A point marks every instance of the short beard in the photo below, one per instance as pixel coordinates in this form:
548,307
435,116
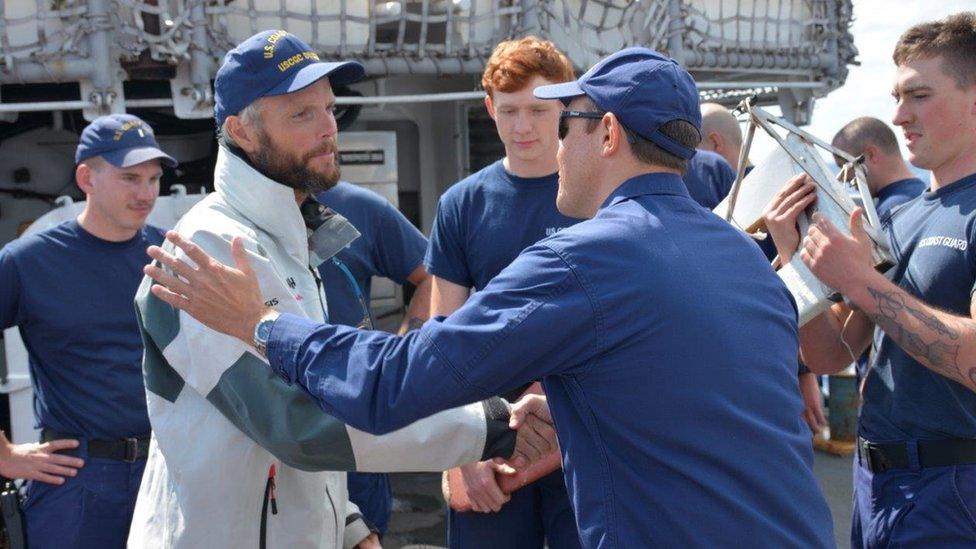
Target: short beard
292,171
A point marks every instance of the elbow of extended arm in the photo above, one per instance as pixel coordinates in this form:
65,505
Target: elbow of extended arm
379,428
315,455
825,361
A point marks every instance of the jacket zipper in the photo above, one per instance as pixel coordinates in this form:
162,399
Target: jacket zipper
319,292
335,514
271,497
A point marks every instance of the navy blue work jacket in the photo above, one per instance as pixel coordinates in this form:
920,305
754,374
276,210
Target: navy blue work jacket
667,347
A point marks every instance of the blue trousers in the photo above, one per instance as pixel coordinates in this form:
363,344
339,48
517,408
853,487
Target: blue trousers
537,514
92,510
372,493
932,508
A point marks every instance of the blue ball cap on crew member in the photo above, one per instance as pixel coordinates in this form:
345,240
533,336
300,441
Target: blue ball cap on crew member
273,62
643,88
121,139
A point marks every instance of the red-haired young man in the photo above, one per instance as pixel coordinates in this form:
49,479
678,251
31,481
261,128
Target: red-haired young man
483,222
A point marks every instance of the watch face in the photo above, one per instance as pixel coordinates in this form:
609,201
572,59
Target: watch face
263,330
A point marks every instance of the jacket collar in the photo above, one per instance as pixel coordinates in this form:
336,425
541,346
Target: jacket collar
648,183
267,204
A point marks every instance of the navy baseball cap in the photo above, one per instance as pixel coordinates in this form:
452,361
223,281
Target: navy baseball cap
273,62
643,88
121,139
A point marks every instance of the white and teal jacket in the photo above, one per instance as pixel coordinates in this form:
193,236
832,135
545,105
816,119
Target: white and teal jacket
221,418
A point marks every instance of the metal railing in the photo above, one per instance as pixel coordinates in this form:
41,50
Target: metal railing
731,46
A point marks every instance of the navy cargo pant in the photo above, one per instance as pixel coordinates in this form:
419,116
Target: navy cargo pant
932,508
537,515
90,510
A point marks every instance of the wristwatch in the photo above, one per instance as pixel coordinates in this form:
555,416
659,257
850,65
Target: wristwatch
262,331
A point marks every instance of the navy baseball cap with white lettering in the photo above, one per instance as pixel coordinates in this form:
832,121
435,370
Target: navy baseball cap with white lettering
273,62
121,139
643,88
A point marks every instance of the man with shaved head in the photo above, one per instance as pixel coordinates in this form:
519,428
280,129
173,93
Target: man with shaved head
721,134
888,177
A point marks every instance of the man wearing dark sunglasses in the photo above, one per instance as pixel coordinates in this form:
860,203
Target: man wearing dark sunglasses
708,177
642,321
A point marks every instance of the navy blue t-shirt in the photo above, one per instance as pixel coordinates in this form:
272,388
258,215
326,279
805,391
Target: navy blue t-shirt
932,239
485,221
896,194
70,293
390,246
709,178
889,197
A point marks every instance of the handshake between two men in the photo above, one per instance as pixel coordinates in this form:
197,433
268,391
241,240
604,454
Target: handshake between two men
229,300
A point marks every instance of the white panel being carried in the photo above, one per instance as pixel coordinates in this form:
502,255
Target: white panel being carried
797,153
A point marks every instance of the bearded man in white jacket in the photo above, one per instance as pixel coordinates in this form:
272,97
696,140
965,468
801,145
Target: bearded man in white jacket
237,455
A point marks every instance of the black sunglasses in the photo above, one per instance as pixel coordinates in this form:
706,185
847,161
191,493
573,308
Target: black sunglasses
564,117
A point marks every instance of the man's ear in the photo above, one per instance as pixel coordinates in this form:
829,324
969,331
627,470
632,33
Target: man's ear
490,106
871,153
83,178
244,135
614,134
717,142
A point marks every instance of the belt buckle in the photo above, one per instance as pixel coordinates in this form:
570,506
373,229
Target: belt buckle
131,449
873,457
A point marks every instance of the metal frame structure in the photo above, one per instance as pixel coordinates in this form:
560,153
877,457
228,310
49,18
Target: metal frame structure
833,200
784,51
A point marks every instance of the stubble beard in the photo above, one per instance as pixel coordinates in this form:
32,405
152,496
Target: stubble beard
292,171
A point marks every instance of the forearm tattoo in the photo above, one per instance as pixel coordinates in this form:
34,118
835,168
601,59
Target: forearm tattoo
936,345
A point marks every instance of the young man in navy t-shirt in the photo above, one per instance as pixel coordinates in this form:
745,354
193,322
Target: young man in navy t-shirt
483,223
391,247
69,290
915,480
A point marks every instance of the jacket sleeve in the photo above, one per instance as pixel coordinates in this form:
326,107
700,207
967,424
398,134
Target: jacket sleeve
182,354
534,319
357,527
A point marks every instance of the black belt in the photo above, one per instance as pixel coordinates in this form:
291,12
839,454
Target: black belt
129,450
882,456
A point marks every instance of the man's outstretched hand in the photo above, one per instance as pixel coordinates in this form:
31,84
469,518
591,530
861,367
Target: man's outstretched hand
225,299
535,435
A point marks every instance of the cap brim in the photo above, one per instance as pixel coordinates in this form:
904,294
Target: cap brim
126,158
339,73
559,91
